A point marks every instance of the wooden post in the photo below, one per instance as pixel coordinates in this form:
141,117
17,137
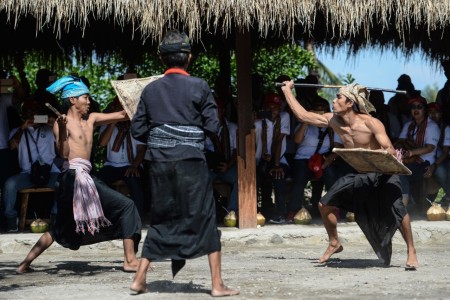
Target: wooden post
246,134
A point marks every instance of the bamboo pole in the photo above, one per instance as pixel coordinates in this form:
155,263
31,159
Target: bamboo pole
312,85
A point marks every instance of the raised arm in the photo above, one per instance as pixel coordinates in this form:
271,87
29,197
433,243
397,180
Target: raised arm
300,112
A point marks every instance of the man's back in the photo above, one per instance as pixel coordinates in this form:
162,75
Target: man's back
175,105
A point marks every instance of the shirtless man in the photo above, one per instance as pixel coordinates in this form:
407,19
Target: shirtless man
77,189
351,120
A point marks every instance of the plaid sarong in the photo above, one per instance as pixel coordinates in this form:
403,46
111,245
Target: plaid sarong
87,209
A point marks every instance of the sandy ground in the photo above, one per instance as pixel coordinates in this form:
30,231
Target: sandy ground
277,264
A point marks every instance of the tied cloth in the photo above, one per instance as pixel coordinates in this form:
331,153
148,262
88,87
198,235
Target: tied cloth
276,133
87,209
123,132
359,95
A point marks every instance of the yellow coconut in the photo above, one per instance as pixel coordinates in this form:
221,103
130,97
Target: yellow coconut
230,219
350,217
38,226
260,220
436,212
302,217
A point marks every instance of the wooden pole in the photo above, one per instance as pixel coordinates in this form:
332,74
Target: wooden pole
246,161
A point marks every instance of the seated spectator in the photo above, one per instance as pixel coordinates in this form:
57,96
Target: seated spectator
34,141
441,167
418,139
311,140
270,132
124,157
222,155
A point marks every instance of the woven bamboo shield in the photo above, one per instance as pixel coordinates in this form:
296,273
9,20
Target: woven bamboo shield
372,161
129,92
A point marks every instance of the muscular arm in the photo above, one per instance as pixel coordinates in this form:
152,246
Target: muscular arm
300,112
107,118
380,135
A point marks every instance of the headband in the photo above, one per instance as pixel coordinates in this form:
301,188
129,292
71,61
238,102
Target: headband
358,94
69,86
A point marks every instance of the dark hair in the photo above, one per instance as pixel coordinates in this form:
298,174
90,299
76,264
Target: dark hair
175,49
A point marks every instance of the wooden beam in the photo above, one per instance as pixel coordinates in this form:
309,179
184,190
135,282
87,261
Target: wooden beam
246,134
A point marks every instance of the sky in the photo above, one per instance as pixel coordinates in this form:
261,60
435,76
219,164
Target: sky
382,69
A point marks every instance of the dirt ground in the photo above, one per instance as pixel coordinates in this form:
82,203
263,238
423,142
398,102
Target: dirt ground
278,264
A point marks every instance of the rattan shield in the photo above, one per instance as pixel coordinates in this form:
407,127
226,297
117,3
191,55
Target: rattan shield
372,161
129,92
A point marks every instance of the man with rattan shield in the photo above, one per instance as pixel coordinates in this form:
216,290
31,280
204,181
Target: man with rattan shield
172,117
375,198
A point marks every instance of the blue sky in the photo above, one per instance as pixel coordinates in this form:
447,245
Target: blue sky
374,68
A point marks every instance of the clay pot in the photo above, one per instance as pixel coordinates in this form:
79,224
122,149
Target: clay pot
436,212
230,219
260,220
302,217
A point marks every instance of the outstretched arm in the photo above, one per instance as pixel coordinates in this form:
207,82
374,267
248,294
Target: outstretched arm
107,118
300,112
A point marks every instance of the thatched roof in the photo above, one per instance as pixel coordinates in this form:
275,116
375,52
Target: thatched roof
131,25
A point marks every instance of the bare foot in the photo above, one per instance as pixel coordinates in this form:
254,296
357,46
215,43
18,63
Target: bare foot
330,251
130,266
139,288
23,268
223,291
411,262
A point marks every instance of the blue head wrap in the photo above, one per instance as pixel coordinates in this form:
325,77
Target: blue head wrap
70,86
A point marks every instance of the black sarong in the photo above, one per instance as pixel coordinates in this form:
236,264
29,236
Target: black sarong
117,208
183,216
376,200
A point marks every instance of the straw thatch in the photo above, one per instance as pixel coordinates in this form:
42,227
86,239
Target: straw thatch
408,24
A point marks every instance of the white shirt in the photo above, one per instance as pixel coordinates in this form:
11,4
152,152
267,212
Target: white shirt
45,142
309,144
120,158
284,128
432,134
232,129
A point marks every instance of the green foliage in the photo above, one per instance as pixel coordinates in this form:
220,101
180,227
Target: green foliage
347,78
206,66
290,60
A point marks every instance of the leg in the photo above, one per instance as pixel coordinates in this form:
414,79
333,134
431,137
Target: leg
330,223
130,263
45,241
218,288
12,185
405,229
139,284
